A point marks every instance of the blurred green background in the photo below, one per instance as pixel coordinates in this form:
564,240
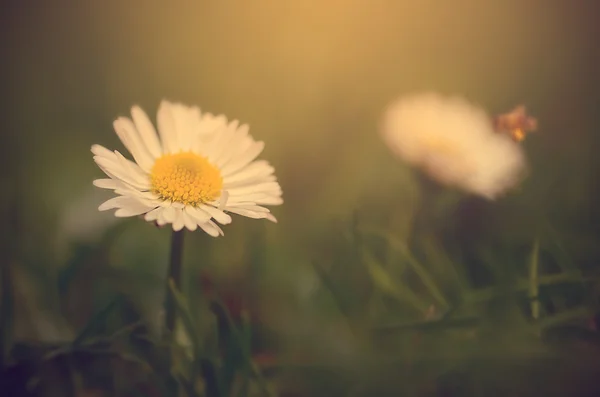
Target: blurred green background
311,78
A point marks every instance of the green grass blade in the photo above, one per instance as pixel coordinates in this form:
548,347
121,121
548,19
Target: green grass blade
417,267
240,341
384,282
182,308
534,280
97,319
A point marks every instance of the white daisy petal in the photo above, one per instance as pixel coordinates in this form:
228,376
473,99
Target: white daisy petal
148,198
123,202
239,143
147,131
223,200
267,187
106,183
211,228
210,123
132,169
244,159
189,222
112,203
255,208
178,223
99,150
217,214
177,205
270,200
271,217
153,215
206,131
258,180
247,213
240,204
197,214
169,214
186,120
166,128
122,170
254,171
128,134
258,198
132,211
180,124
221,141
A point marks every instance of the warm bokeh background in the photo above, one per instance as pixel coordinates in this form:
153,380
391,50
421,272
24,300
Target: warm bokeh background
311,78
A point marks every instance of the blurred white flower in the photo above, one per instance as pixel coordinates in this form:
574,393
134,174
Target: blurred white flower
454,142
201,169
78,220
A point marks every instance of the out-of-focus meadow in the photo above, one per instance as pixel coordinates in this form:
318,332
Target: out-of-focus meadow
338,310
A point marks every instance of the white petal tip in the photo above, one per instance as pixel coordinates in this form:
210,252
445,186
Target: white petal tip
271,218
97,149
123,213
117,123
105,183
165,103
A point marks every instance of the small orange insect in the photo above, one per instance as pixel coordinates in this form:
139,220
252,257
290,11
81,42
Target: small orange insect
516,123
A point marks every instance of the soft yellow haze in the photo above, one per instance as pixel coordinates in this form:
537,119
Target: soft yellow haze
310,77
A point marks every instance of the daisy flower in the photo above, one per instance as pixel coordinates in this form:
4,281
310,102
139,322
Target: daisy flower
195,172
454,142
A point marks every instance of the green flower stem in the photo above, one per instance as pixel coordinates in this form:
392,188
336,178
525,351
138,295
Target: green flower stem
173,280
173,273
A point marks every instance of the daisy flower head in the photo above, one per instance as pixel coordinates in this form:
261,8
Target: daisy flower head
454,142
194,173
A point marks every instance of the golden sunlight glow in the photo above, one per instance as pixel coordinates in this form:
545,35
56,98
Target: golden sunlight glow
186,178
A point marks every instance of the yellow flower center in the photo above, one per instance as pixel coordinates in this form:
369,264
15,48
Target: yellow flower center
186,178
518,134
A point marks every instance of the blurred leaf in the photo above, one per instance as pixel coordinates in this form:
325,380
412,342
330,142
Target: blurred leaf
183,309
6,312
333,290
560,251
97,319
97,351
212,386
534,280
430,325
233,361
80,258
84,254
244,388
418,268
560,335
480,295
448,270
240,341
188,387
384,282
566,317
